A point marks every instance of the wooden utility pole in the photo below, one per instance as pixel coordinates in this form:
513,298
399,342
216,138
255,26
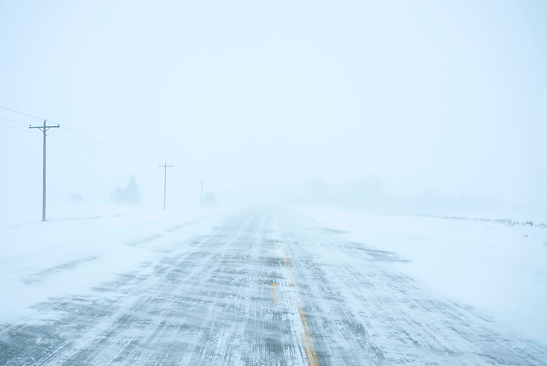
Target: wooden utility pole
165,181
201,194
44,129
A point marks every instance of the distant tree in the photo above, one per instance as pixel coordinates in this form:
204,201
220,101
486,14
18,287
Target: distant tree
210,200
76,198
127,196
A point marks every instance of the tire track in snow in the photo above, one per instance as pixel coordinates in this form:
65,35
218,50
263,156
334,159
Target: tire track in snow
307,342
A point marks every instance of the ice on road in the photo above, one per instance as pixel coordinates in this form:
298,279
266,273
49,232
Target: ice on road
265,287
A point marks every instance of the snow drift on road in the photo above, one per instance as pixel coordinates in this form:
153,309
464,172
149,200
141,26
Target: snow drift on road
498,267
42,260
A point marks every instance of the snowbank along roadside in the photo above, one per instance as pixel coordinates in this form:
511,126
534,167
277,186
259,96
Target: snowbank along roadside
499,268
42,260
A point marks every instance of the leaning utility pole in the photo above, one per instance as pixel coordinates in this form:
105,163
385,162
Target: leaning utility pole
201,195
225,198
44,129
165,181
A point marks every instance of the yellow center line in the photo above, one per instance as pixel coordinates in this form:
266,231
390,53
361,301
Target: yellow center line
274,292
307,342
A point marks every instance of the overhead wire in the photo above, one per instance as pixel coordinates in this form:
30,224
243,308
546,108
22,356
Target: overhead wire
20,129
14,120
90,152
26,114
87,147
74,132
15,128
89,138
73,144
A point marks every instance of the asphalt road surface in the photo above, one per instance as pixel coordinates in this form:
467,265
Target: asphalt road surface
267,287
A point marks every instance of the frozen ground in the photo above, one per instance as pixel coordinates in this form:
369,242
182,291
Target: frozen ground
497,265
252,287
60,257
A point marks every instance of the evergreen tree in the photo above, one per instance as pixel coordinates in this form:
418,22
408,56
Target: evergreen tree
129,195
210,200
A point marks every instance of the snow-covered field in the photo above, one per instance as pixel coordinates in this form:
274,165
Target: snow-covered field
40,260
271,286
497,267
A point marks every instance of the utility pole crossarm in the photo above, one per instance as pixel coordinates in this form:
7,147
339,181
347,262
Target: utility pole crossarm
44,130
42,127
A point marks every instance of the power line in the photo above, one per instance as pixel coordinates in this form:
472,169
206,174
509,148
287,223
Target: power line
99,151
73,144
100,143
92,153
77,133
13,120
26,114
15,128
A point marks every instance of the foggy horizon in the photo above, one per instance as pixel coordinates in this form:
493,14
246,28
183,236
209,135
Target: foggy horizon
386,108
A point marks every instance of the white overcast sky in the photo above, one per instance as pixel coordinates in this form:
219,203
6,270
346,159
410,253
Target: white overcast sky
442,96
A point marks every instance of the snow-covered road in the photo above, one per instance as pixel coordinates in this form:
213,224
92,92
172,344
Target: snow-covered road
264,287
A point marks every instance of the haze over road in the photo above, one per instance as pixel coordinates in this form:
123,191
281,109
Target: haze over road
266,287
